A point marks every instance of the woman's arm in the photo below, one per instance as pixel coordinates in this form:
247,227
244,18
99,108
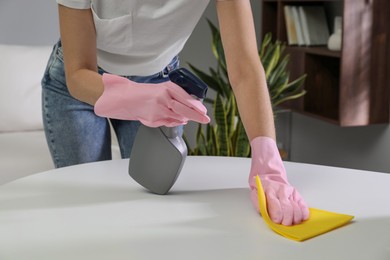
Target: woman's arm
169,106
246,73
78,39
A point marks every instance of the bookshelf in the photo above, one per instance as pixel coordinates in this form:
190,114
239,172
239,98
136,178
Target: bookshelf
348,87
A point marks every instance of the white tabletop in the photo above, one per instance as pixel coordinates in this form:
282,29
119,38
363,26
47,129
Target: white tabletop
96,211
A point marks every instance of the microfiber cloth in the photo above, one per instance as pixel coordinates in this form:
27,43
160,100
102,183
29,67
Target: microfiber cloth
319,222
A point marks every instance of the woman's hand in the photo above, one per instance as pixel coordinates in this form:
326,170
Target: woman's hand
284,204
154,105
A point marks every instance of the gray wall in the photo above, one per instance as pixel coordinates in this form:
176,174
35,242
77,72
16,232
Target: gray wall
366,148
28,22
312,141
198,49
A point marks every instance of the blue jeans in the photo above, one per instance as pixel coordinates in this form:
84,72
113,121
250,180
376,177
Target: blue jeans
74,133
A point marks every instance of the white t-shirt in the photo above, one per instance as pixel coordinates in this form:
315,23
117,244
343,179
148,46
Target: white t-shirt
140,37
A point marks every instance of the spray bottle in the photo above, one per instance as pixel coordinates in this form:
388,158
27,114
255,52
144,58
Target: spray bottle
158,154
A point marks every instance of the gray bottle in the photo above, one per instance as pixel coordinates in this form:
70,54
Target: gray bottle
158,154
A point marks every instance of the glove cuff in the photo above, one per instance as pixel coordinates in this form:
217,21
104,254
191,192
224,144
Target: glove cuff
266,160
264,146
109,104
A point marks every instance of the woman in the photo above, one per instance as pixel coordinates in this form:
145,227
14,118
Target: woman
112,61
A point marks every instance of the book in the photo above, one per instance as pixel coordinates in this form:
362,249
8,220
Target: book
290,26
314,25
305,29
298,26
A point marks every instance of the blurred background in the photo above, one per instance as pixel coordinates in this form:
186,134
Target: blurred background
307,139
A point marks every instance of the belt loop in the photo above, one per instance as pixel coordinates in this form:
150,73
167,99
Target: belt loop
165,72
171,66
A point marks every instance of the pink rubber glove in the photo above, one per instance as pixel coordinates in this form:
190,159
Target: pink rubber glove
154,105
284,204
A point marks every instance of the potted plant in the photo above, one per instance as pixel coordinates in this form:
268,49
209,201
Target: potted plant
227,136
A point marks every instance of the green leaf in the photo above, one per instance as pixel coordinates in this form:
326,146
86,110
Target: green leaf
215,139
242,142
201,141
266,59
282,100
212,141
208,101
217,47
279,70
223,87
266,41
292,88
273,60
220,118
231,114
209,80
279,87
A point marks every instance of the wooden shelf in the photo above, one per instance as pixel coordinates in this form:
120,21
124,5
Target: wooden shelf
305,1
348,87
321,51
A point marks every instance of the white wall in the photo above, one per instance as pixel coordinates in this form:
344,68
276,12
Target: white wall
312,141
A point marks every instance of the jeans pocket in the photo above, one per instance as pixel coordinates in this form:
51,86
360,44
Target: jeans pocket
54,76
51,58
56,70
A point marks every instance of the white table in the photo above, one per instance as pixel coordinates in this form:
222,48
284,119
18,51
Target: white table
96,211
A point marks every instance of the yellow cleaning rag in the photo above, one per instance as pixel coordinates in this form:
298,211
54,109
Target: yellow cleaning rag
319,222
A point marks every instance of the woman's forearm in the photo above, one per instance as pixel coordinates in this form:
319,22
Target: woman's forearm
78,39
246,73
254,104
85,85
